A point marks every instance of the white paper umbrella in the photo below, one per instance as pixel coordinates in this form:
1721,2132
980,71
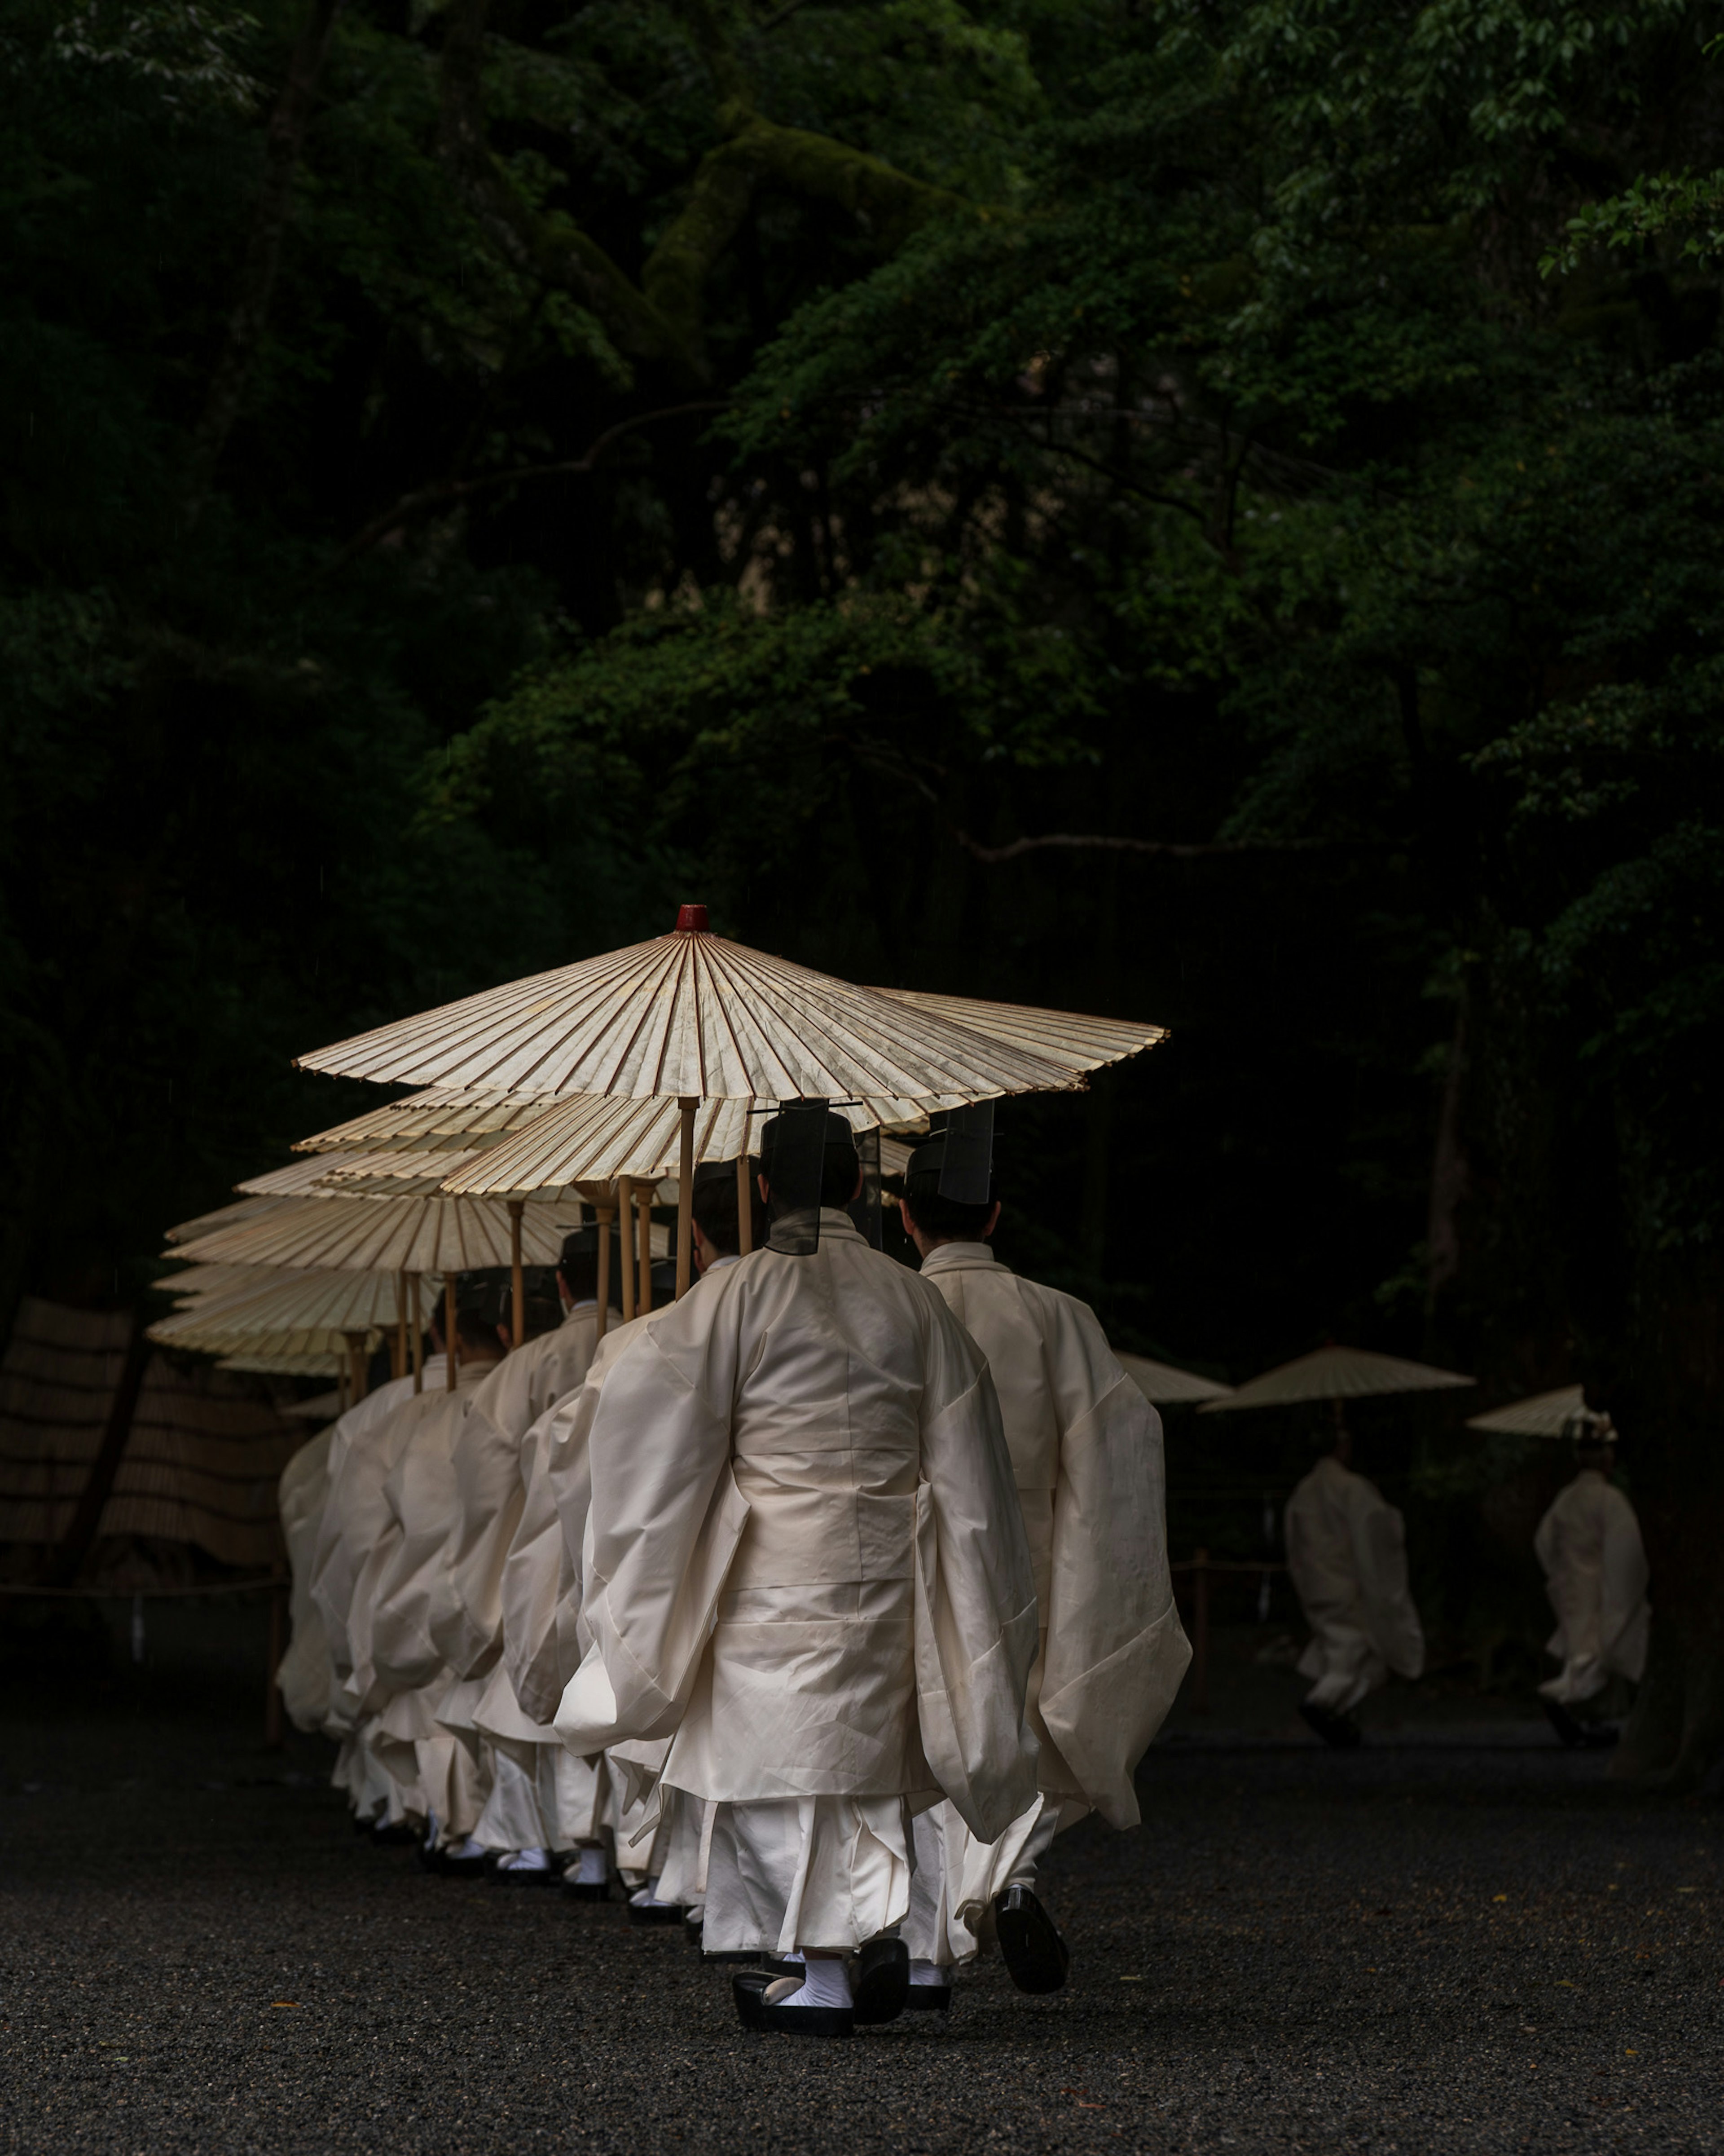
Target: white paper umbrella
281,1300
1075,1042
1543,1414
1335,1374
439,1118
224,1216
1163,1385
262,1363
415,1173
385,1235
594,1139
695,1016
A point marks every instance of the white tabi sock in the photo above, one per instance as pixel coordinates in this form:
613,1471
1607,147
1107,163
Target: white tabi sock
592,1868
825,1983
929,1972
648,1896
526,1860
470,1847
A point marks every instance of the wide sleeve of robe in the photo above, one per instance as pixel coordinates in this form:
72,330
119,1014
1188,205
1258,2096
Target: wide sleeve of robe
305,1675
977,1634
1116,1650
1379,1538
537,1576
1626,1617
414,1593
666,1517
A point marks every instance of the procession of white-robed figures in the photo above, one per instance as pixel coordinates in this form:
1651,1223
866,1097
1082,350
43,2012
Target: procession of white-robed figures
805,1609
810,1606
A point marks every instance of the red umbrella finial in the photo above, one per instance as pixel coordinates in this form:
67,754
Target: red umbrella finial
692,917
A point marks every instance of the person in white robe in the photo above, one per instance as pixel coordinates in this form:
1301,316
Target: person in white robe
805,1565
303,1677
335,1559
358,1540
1086,1458
399,1679
1594,1562
1347,1557
540,1604
465,1622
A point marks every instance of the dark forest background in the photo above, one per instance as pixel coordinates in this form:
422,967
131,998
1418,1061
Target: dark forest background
1149,507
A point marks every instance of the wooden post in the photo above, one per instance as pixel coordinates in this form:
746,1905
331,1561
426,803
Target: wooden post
274,1736
604,1215
625,1201
517,1271
1200,1629
745,1197
685,1199
398,1362
449,1330
644,1237
418,1338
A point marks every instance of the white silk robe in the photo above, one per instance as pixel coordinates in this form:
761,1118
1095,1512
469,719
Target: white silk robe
338,1552
805,1561
490,1487
304,1676
1346,1555
1595,1574
405,1579
1086,1459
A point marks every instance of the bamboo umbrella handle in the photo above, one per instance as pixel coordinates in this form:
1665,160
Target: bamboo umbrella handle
625,1200
745,1197
419,1337
685,1199
517,1272
605,1215
449,1330
643,1220
400,1369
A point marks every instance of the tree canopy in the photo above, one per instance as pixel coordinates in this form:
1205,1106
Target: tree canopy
1207,510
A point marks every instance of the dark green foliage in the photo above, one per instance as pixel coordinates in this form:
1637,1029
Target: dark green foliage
804,459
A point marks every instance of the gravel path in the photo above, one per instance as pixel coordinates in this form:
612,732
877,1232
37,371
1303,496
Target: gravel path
1443,1945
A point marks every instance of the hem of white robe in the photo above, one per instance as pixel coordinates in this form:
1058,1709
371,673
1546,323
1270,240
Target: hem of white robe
827,1872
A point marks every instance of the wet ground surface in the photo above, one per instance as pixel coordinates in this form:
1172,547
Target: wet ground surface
1458,1938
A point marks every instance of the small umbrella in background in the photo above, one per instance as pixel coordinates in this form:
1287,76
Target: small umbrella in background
1336,1374
1164,1384
1541,1414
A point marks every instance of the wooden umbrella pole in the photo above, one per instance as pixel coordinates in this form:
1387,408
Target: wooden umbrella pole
356,1364
400,1369
643,1222
517,1271
625,1255
449,1330
745,1201
605,1215
418,1338
685,1200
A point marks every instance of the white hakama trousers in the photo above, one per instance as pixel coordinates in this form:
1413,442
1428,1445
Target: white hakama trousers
825,1872
360,1772
957,1877
1344,1659
451,1767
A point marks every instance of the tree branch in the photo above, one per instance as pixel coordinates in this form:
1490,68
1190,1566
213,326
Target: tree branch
446,492
1096,842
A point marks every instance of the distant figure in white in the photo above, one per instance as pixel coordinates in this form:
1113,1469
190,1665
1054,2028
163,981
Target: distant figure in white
1347,1554
1595,1574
